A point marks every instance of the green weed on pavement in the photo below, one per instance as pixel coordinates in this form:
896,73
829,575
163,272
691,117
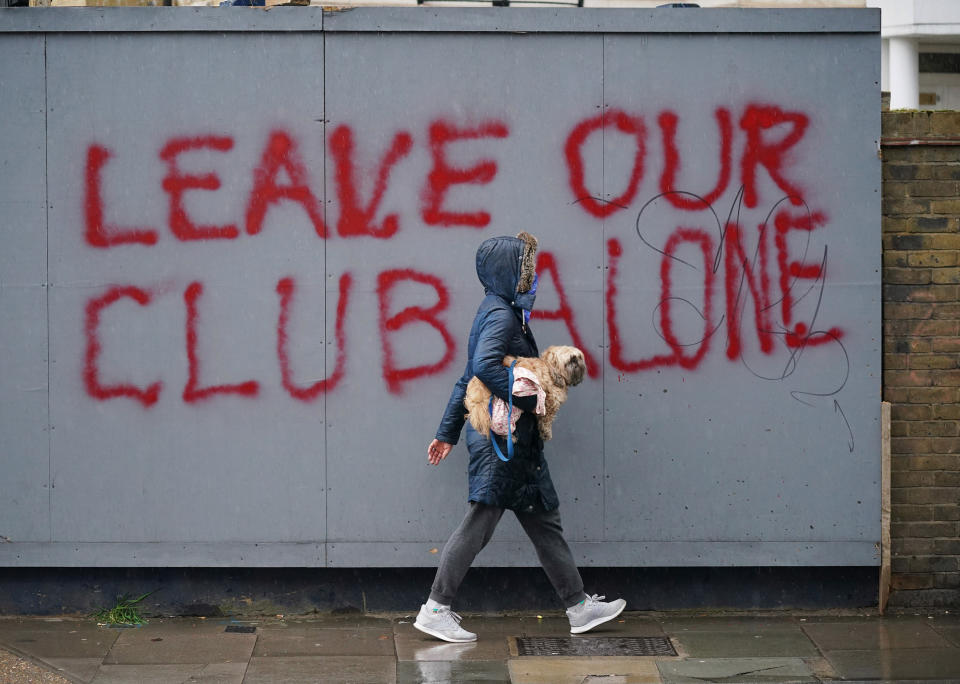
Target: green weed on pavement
125,611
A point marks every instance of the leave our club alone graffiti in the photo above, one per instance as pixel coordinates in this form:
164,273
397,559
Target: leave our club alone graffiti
769,136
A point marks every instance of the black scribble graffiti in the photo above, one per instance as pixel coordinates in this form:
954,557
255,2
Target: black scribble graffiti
801,341
716,262
837,409
688,194
598,199
656,326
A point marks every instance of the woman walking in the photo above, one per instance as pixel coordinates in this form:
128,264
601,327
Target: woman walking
506,269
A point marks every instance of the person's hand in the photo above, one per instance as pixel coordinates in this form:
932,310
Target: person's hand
437,451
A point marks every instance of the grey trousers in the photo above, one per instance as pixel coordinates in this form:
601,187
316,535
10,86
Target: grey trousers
475,531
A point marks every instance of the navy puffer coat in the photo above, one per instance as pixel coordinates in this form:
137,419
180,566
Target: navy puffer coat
505,267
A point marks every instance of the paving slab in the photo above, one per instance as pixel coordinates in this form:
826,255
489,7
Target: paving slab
411,644
348,621
747,644
844,616
947,626
738,670
951,634
146,674
221,673
821,668
62,639
435,650
174,644
81,669
874,635
306,640
609,670
180,625
322,669
737,623
897,664
452,672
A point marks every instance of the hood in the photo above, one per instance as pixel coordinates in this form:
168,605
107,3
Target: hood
506,267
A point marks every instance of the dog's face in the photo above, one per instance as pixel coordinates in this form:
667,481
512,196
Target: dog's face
568,363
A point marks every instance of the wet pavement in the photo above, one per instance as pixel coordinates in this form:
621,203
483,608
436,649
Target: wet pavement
730,648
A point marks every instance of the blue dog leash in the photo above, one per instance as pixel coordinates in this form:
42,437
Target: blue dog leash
509,419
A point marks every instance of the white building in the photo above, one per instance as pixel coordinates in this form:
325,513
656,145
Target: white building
921,52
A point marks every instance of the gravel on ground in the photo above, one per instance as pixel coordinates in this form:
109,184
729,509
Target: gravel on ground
17,670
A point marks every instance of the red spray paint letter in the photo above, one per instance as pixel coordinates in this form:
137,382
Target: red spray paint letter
736,263
547,264
614,252
800,335
354,219
770,155
98,233
677,238
671,165
177,183
285,288
676,355
391,323
91,372
442,176
281,153
626,124
193,392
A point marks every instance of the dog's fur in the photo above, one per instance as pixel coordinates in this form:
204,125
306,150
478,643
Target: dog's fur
557,368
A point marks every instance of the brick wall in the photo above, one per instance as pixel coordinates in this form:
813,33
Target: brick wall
921,362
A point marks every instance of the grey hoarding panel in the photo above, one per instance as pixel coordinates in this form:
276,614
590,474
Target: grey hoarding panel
265,396
24,448
396,99
195,464
24,488
433,19
775,427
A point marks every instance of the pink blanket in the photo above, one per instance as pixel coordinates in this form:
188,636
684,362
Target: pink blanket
525,384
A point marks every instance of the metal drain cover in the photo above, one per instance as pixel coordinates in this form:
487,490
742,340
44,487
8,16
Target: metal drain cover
595,646
242,629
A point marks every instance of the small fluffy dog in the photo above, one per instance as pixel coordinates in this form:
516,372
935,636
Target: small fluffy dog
557,368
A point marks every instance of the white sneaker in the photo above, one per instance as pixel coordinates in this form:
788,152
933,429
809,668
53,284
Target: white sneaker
444,624
592,611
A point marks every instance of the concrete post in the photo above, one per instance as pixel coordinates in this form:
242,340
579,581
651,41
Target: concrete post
904,74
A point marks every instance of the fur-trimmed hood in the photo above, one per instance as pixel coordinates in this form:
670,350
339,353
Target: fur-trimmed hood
506,267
